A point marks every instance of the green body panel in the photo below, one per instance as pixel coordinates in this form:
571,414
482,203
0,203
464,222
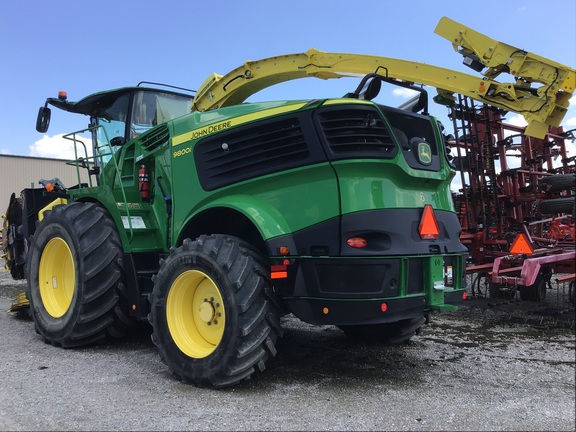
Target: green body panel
435,272
184,130
295,199
364,187
276,204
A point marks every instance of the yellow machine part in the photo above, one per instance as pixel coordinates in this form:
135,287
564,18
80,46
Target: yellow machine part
550,101
57,201
20,304
541,106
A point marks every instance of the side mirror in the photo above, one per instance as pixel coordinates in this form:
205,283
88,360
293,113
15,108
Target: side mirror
368,88
422,104
117,141
43,120
371,90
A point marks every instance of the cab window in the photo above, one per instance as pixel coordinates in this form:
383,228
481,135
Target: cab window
153,108
112,124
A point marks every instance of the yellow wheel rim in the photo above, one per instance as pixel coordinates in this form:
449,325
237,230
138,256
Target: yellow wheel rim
56,277
195,314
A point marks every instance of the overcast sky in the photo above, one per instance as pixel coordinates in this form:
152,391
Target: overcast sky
83,47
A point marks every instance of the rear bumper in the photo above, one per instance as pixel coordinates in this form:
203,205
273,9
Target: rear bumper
454,298
349,312
325,311
345,291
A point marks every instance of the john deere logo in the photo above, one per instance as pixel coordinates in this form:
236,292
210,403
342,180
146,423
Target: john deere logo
424,153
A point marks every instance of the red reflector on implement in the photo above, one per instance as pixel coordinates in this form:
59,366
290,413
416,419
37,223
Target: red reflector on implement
428,227
521,245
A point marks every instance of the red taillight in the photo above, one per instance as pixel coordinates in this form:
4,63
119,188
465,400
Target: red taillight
428,227
357,242
278,272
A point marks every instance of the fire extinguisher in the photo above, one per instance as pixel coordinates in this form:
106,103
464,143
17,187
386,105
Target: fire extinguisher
143,182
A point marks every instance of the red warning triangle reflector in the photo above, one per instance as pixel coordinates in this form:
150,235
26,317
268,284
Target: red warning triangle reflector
428,228
521,245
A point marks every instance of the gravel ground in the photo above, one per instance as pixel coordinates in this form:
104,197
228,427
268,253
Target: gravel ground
481,368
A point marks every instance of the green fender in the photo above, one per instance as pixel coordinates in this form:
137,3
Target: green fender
266,218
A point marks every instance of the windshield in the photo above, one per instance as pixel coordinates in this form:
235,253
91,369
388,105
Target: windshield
152,108
112,124
148,109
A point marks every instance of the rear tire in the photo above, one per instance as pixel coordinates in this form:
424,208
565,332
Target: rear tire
13,243
75,277
537,291
558,206
212,322
505,294
389,333
558,182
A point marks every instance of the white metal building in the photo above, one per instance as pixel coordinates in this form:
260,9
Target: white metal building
20,172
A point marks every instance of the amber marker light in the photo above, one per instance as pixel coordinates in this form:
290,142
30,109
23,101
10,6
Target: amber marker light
357,242
325,311
62,95
284,250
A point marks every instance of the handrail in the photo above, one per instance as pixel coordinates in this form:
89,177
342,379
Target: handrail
100,156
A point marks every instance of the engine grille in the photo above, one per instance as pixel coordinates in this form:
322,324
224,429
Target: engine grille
356,132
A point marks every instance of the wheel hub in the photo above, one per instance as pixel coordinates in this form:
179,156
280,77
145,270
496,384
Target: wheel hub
195,313
207,311
56,277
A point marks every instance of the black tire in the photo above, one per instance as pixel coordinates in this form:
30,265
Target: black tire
13,243
394,333
212,321
558,182
557,206
537,291
481,284
75,277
